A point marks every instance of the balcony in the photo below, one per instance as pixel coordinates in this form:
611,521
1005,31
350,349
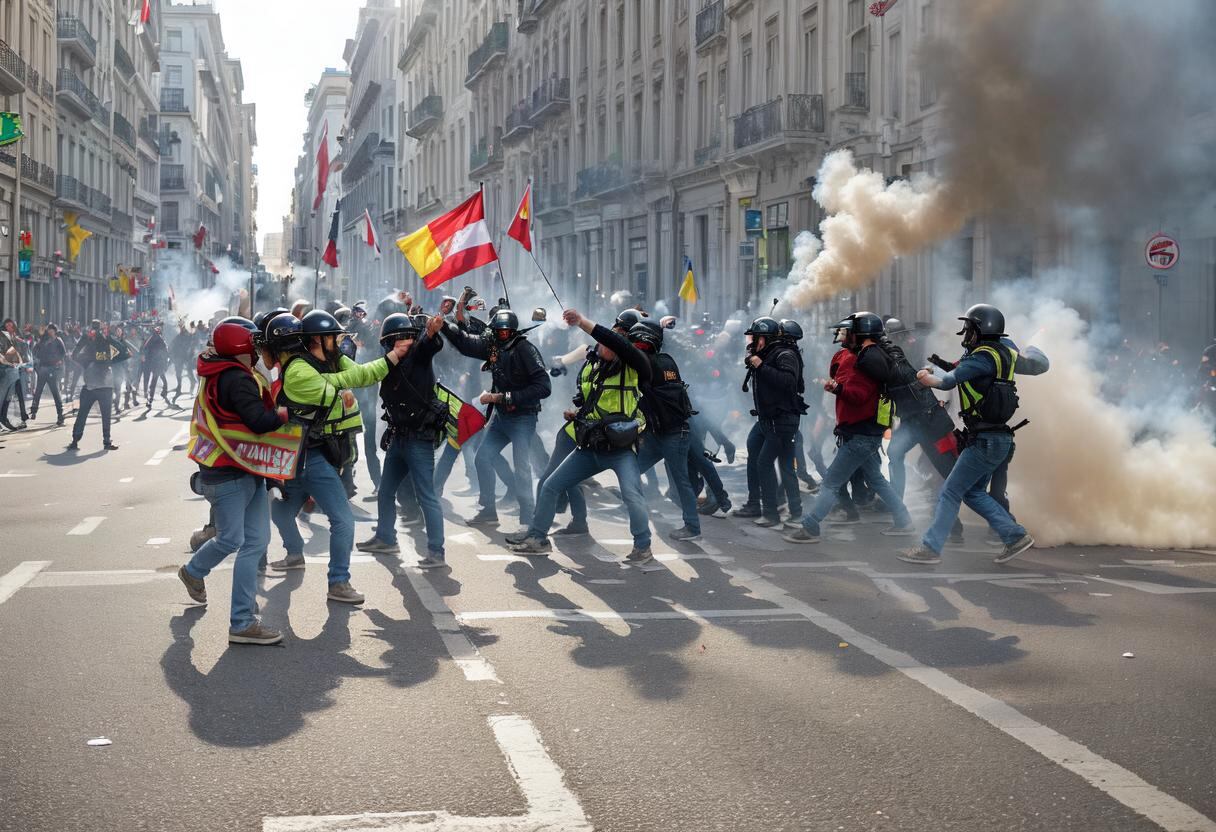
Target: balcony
8,160
528,21
75,94
124,131
173,100
856,92
122,61
148,132
366,98
425,117
551,98
709,153
553,200
423,23
609,177
12,71
73,194
74,37
29,168
360,160
172,178
486,156
46,175
33,79
711,25
779,124
539,7
491,53
428,200
120,221
519,126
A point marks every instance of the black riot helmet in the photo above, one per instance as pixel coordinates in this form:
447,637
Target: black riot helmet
504,319
895,326
283,333
244,323
343,316
627,320
981,321
765,326
790,330
867,325
262,318
318,322
397,325
647,334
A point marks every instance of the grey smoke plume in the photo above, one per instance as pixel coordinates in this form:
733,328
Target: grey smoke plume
1053,111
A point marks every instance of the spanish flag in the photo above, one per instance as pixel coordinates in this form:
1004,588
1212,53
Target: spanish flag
452,245
688,289
76,234
521,226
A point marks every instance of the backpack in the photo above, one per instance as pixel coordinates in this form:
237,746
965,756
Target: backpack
668,393
999,401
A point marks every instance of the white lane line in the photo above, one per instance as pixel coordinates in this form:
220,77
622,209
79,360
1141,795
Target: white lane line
13,475
1109,777
20,576
86,526
127,479
797,564
613,615
946,576
1156,589
459,647
181,436
157,541
911,601
158,457
552,807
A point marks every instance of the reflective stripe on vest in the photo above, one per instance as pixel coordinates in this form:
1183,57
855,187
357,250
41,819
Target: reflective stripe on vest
886,409
620,395
969,397
215,444
338,419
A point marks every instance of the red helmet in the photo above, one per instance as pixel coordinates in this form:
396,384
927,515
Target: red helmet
231,340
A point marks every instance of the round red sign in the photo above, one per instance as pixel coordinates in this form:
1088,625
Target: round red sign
1161,252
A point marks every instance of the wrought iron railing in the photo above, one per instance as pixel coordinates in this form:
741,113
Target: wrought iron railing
802,113
46,175
486,152
71,28
552,95
124,130
11,62
67,81
493,46
711,22
857,94
29,168
173,100
122,60
709,152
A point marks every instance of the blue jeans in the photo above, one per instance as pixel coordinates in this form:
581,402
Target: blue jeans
857,453
241,509
698,462
413,458
582,464
968,483
516,430
563,446
8,380
368,409
672,448
903,439
778,447
318,479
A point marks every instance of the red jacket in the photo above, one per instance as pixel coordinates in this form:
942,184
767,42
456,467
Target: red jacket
856,398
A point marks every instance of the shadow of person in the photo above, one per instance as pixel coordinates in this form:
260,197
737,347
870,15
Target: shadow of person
255,696
65,459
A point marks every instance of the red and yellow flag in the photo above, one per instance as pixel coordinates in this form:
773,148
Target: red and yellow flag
452,245
521,226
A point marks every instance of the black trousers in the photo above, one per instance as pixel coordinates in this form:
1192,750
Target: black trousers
49,377
102,396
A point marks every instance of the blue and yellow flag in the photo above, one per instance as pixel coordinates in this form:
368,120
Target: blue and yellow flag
688,289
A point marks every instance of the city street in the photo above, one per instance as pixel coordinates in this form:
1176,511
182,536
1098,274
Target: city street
742,683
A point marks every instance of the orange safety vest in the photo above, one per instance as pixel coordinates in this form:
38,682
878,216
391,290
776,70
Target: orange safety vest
218,439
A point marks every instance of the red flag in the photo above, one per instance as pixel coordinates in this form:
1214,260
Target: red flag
141,16
521,225
199,236
369,233
455,243
331,250
322,166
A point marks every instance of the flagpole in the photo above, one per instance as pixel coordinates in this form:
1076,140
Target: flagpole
546,277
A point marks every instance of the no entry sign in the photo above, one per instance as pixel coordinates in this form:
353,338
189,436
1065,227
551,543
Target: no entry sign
1161,252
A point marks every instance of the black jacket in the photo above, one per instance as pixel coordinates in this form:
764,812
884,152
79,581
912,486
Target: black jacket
665,397
515,367
409,386
777,382
50,352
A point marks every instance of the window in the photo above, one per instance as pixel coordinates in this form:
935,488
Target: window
702,111
603,37
173,40
745,71
620,127
620,34
772,60
638,266
778,215
173,76
657,5
169,219
637,126
928,84
895,80
656,115
637,27
810,51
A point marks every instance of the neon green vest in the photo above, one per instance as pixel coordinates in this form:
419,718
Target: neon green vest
969,397
620,395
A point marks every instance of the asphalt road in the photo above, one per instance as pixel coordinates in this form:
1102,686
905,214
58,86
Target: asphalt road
744,684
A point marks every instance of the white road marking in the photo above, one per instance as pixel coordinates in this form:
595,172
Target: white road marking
1156,589
158,457
613,615
503,558
127,479
552,807
87,526
911,601
459,647
608,581
952,577
20,576
1109,777
181,436
798,564
13,475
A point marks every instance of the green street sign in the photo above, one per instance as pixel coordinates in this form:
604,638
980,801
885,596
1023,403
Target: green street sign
10,128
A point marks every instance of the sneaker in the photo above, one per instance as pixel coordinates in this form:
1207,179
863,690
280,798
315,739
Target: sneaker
73,446
516,537
287,563
376,546
920,554
432,562
484,518
195,588
110,446
532,547
639,557
343,592
59,422
1014,549
708,508
767,522
899,531
686,534
573,529
373,497
201,536
746,510
255,633
410,519
792,523
729,447
800,535
722,512
844,519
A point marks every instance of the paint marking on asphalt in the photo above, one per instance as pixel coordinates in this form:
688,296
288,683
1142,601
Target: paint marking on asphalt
459,647
910,600
797,564
1156,589
613,615
551,804
158,457
946,576
127,479
1109,777
86,526
24,572
13,475
157,541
